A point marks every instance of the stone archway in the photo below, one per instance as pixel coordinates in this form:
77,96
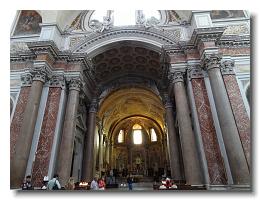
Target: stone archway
121,110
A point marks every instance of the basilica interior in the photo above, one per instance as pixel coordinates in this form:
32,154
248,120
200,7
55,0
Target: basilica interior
165,93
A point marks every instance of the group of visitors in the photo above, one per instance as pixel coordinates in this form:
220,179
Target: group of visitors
98,184
47,184
54,184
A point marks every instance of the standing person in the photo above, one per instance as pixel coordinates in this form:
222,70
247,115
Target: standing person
27,183
130,182
94,184
70,184
45,183
101,184
54,183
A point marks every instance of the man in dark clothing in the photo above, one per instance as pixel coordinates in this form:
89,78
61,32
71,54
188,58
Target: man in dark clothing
27,183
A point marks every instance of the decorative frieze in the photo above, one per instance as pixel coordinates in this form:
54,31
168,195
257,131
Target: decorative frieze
195,72
237,29
211,61
206,34
227,67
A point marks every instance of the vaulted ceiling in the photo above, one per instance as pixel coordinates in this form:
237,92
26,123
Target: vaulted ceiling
131,102
125,60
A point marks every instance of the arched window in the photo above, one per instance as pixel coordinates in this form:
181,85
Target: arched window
137,134
120,138
153,135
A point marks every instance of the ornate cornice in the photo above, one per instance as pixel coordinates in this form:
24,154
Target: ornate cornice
44,47
211,61
75,83
227,67
232,41
195,72
172,49
206,34
22,56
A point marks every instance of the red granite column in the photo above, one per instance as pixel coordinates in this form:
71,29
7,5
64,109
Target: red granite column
69,129
44,148
23,144
215,163
18,117
235,153
238,107
192,169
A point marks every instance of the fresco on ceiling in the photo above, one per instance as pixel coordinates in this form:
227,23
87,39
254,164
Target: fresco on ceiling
28,23
221,14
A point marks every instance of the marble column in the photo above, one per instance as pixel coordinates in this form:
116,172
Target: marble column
192,170
174,154
236,156
89,143
69,130
107,151
100,156
23,145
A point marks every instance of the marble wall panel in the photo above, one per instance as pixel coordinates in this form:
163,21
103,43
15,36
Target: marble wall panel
239,111
44,148
17,120
215,163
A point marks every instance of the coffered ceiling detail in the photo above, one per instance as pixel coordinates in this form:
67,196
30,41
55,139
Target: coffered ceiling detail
125,60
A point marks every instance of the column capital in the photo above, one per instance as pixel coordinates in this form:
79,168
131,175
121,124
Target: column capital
195,72
93,106
227,67
57,80
26,79
211,61
40,73
177,76
75,83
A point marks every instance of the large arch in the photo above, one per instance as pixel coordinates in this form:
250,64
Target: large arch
120,110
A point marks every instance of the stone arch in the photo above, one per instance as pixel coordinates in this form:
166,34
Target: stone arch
151,38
